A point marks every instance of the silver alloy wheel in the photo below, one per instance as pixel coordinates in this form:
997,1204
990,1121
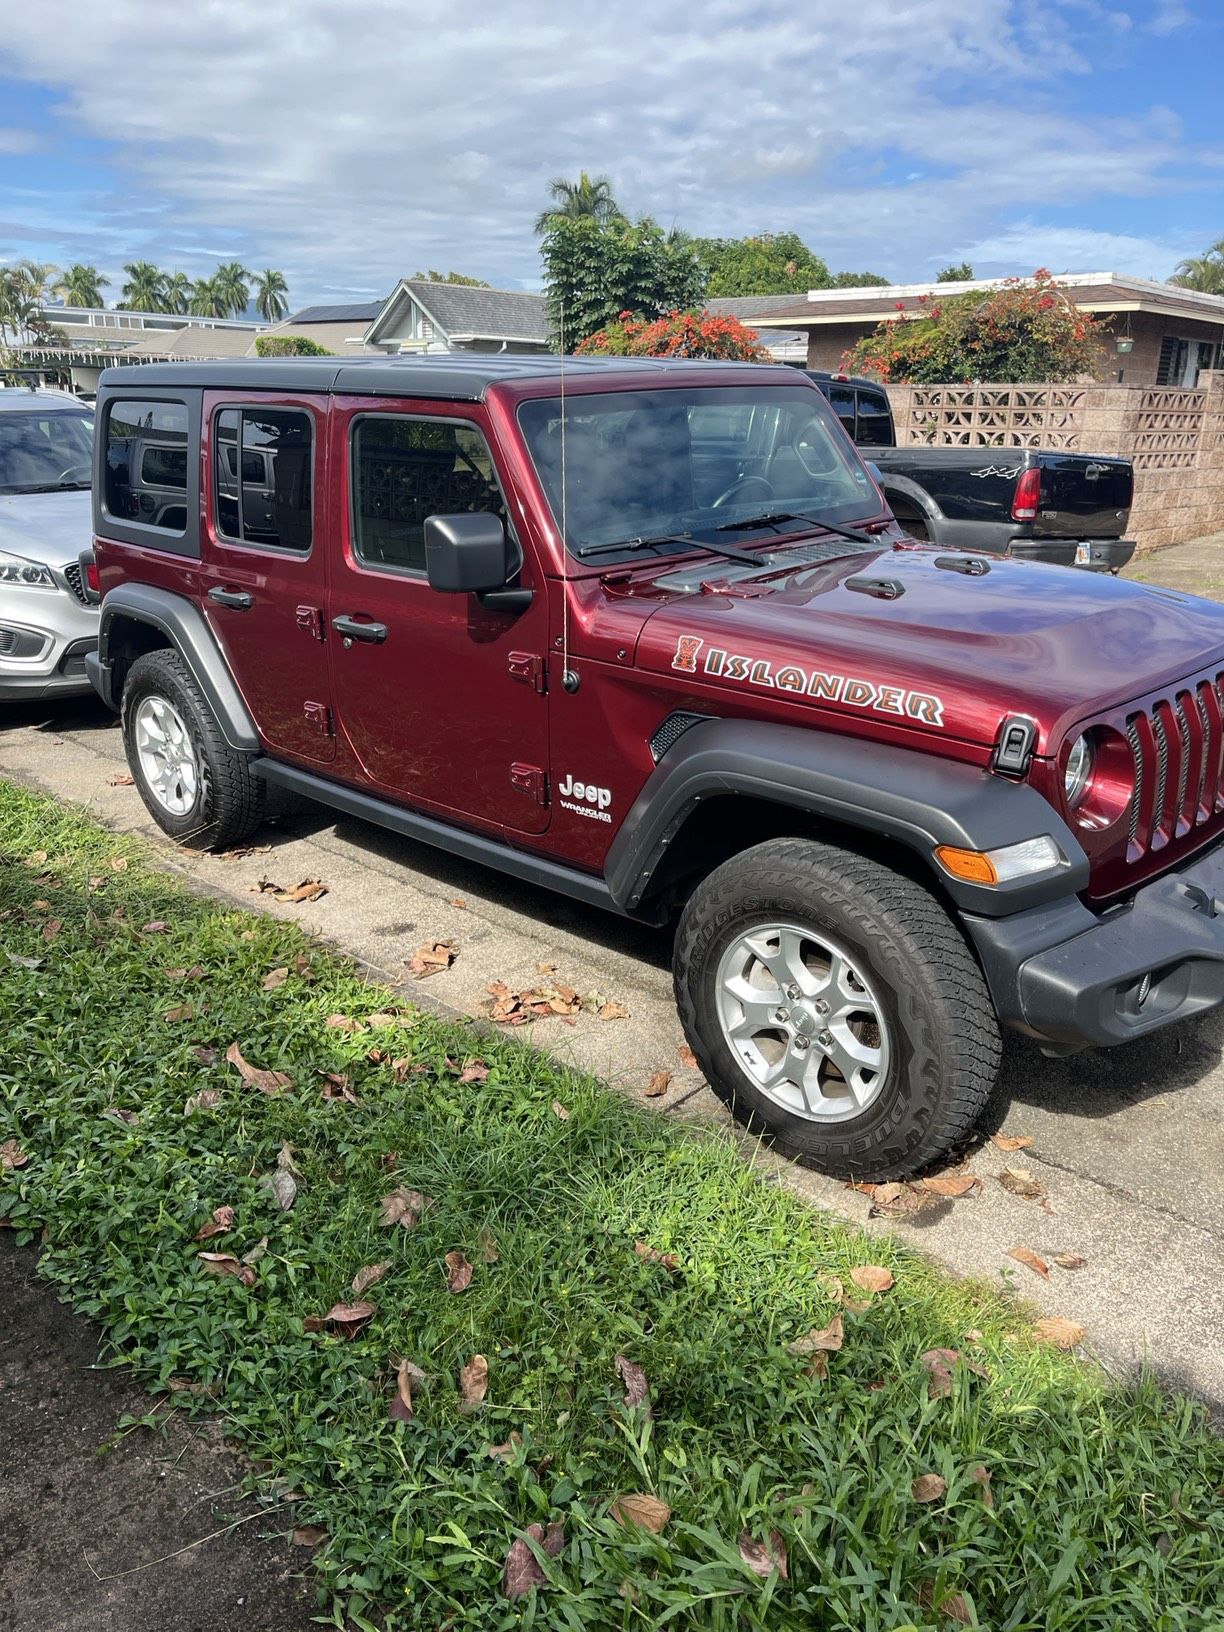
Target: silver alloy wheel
803,1021
167,757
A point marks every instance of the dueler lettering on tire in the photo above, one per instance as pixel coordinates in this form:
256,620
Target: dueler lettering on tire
834,1006
196,787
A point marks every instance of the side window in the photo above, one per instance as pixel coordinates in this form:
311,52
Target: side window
270,507
145,476
874,420
841,400
404,470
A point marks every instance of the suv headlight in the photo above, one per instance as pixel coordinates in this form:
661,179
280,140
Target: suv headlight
15,569
1078,774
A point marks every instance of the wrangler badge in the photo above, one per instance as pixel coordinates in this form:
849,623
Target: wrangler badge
815,683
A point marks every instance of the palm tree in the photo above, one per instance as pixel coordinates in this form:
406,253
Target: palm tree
176,293
145,289
40,278
270,292
81,286
232,280
1204,272
588,198
209,298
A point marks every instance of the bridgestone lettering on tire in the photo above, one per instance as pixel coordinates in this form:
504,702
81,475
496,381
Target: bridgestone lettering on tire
216,802
834,1006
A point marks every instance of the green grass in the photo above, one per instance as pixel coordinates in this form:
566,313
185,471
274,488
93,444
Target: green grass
1106,1509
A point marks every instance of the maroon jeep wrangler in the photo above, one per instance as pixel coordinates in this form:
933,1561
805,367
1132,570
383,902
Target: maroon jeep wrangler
646,634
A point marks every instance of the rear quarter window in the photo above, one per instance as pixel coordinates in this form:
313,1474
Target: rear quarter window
145,464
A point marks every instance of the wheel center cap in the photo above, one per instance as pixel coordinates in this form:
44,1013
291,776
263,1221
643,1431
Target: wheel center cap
803,1022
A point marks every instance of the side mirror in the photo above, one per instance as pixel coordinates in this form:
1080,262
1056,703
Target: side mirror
875,473
465,554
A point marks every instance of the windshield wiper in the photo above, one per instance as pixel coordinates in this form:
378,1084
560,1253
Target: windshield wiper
771,517
627,544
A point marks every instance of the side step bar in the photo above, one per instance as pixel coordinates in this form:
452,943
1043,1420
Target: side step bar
549,875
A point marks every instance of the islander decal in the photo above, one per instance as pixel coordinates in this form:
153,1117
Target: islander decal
832,688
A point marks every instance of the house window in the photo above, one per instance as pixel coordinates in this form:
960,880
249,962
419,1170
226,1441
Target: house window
1182,361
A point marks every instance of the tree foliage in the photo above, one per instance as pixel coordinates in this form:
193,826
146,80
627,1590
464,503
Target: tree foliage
595,271
289,345
858,280
23,288
81,285
676,334
270,292
1204,272
590,198
449,277
958,272
768,264
1027,330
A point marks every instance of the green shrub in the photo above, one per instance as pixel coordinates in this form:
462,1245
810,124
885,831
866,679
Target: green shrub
289,345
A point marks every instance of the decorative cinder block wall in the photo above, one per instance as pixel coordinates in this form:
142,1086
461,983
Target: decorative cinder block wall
1174,437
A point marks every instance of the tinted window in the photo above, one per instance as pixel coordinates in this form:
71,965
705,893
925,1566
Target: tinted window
841,398
146,441
404,470
41,451
874,420
271,508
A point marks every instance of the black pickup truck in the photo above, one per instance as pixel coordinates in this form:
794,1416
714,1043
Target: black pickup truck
1070,509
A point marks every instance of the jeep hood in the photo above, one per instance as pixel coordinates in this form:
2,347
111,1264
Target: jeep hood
50,527
951,652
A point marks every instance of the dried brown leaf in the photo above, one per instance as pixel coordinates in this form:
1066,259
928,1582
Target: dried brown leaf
431,959
221,1221
613,1011
955,1608
342,1022
659,1083
347,1318
820,1339
505,1452
1011,1141
1018,1181
652,1255
939,1364
522,1570
642,1509
407,1378
981,1478
952,1184
310,889
1027,1257
559,1111
637,1389
1063,1334
473,1382
36,858
206,1100
275,978
404,1207
687,1058
183,1011
763,1558
474,1071
118,864
872,1277
459,1272
268,1082
1068,1260
336,1086
12,1156
369,1275
928,1487
52,928
120,779
309,1535
225,1263
487,1243
155,926
206,1056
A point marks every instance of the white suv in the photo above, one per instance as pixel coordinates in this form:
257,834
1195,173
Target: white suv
47,622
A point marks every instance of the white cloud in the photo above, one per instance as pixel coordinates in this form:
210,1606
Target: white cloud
14,142
1076,249
350,144
1169,16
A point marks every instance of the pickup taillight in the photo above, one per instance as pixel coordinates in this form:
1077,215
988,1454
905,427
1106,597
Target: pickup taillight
1027,495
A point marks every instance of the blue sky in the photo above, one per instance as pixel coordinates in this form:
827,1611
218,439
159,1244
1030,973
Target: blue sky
351,145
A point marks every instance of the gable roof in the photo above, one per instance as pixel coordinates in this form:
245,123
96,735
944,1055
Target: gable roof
353,312
464,313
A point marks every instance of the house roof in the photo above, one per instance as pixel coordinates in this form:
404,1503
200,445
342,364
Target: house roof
194,343
746,306
464,313
1091,291
352,312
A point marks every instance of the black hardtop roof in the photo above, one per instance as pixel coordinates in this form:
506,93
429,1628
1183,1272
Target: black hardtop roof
457,379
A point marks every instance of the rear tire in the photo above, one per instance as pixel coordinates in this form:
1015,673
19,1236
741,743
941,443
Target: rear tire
835,1007
196,787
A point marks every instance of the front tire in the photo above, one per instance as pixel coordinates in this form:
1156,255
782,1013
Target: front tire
194,785
834,1006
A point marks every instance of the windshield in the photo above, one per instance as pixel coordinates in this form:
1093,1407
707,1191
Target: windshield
41,451
679,464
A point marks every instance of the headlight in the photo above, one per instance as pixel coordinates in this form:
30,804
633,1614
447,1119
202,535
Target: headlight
1078,773
15,569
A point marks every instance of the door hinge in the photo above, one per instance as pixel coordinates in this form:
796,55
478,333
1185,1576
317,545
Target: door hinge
319,715
528,666
530,779
310,618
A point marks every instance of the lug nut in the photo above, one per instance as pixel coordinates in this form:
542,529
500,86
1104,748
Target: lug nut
825,1039
801,1045
793,993
821,1006
781,1016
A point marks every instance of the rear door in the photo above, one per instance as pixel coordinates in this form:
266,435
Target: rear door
442,702
1083,497
263,571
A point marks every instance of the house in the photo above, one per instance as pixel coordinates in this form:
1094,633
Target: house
339,328
783,345
1159,334
421,316
86,339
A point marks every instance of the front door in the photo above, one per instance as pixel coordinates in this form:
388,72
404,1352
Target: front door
263,570
440,700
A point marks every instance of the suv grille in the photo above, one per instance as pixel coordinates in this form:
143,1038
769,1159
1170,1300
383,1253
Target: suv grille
1177,742
74,577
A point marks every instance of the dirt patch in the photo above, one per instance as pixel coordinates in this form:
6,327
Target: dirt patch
74,1494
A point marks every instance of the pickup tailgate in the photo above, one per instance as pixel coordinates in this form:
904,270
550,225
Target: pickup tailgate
1082,496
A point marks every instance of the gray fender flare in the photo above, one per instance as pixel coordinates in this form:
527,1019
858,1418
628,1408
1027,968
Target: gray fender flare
187,631
918,497
915,799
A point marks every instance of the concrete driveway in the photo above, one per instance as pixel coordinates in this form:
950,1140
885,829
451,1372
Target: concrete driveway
1127,1144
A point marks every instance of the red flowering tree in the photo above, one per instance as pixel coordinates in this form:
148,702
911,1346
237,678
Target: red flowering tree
676,334
1027,330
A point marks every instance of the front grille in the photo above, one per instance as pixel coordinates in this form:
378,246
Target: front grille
1177,742
76,583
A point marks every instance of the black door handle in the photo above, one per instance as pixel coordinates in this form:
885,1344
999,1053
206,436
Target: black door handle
239,599
352,629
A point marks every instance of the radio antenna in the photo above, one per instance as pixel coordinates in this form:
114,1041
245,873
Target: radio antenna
569,680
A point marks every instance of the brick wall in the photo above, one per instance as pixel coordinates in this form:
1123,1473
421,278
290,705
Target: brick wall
1175,439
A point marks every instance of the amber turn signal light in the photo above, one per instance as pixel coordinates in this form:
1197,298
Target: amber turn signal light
974,866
